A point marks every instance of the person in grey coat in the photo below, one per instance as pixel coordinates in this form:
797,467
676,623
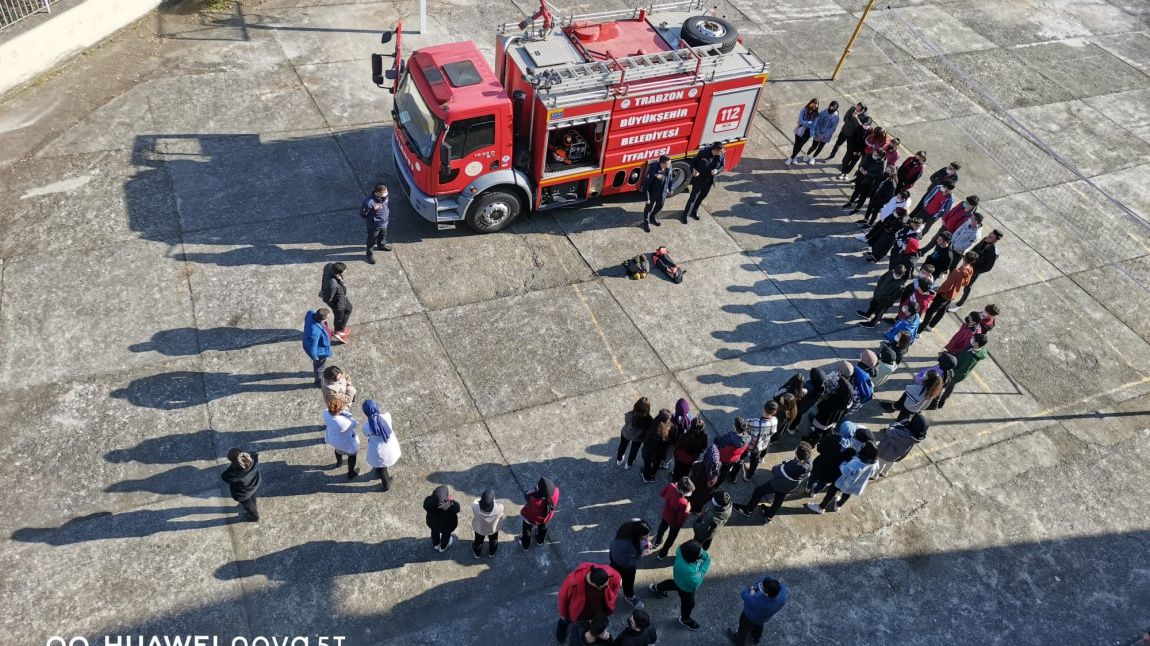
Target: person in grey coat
898,440
713,519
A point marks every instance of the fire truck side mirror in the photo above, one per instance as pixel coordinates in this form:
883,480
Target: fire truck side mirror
386,37
377,69
444,160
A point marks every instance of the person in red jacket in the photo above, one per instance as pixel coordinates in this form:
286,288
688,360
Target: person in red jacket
954,218
910,171
538,511
676,510
590,590
732,445
971,325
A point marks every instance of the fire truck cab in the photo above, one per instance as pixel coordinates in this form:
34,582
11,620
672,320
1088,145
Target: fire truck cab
575,108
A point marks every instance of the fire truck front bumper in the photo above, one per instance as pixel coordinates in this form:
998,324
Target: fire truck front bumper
439,211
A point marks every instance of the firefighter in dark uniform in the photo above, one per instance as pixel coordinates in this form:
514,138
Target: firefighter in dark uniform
708,163
656,188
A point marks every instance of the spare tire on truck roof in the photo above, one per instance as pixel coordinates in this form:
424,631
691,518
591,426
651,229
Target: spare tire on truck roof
709,30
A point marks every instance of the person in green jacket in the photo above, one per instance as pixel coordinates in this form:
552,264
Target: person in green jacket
967,360
691,565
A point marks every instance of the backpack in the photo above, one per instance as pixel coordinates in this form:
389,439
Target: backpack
663,260
637,267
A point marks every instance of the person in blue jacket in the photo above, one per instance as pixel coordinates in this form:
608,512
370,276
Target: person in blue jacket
760,602
374,210
656,189
316,340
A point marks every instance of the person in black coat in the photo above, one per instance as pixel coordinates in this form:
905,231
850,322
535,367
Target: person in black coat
814,387
856,145
785,478
987,251
243,479
442,517
871,171
882,194
707,164
882,235
835,403
656,189
334,294
591,631
639,631
886,292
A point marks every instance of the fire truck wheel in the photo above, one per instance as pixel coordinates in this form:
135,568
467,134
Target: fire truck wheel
680,176
709,30
493,211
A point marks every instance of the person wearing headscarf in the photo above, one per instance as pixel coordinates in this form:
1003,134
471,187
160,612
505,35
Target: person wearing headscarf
537,512
442,517
681,422
632,540
486,515
243,480
339,433
382,444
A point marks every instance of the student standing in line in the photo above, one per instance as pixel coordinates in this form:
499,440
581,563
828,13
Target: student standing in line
871,171
806,122
382,444
785,478
537,512
987,251
592,631
639,631
886,292
965,363
636,425
897,442
705,477
691,565
333,292
442,517
910,171
632,540
852,120
822,131
732,445
713,519
937,202
763,431
340,435
856,144
882,195
971,325
655,445
948,173
316,340
853,479
688,448
834,450
890,354
916,396
589,590
958,215
760,602
676,510
949,290
704,169
243,480
486,516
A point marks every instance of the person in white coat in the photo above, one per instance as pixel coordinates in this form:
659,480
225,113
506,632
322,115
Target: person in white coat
339,433
382,444
486,516
855,474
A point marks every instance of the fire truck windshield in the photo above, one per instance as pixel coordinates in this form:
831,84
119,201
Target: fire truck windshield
411,114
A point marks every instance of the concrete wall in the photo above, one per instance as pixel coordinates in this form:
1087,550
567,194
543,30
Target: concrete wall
39,49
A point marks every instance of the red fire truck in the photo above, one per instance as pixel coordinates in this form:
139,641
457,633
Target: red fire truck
575,108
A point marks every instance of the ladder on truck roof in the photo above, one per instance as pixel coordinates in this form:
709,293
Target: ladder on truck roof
606,16
577,82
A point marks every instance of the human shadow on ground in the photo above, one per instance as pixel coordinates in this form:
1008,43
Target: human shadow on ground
511,599
107,525
186,388
174,342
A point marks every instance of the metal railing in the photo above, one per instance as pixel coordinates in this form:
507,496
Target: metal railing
13,11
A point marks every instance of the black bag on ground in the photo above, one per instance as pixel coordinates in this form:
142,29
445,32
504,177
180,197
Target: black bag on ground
637,267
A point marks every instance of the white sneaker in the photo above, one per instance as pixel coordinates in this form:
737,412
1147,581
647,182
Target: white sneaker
813,507
634,601
618,462
625,466
450,542
952,308
790,160
807,159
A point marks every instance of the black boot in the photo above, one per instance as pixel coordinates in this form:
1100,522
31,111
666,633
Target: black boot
383,246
